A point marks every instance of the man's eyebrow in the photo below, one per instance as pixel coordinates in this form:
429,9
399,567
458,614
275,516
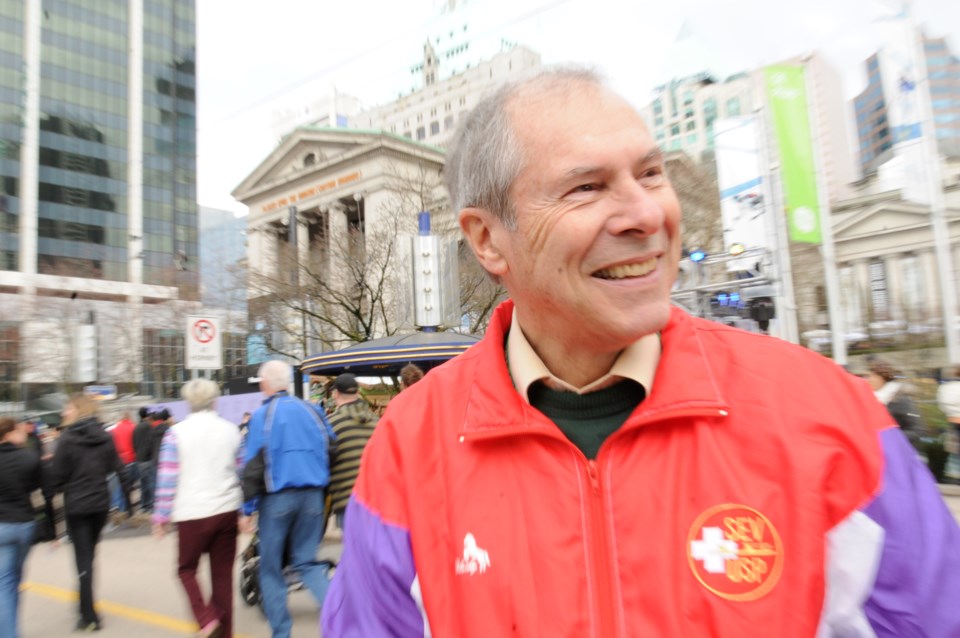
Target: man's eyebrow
580,171
654,155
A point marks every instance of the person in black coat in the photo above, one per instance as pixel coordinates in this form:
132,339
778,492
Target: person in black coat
84,458
143,449
19,477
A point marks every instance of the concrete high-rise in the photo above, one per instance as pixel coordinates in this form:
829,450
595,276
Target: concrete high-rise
98,213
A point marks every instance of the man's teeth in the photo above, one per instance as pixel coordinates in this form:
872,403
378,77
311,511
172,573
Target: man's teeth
628,270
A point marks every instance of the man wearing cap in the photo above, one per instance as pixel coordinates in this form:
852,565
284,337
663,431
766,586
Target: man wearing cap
353,422
290,439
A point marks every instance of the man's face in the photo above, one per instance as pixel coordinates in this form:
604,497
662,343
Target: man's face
597,246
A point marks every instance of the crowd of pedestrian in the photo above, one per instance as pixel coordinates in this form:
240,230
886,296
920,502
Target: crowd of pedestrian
193,476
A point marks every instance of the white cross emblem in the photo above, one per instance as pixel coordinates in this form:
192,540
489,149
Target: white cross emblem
714,550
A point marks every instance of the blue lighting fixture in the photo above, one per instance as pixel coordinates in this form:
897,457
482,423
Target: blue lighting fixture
697,255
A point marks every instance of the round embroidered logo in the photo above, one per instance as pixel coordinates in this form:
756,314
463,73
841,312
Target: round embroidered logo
735,552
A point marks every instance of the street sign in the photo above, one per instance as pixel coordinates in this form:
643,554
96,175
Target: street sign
204,346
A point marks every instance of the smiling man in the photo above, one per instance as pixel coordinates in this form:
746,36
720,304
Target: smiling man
603,464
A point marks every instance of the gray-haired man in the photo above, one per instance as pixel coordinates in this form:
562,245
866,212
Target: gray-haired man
603,464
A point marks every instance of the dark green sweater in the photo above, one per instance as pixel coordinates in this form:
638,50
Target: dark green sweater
588,419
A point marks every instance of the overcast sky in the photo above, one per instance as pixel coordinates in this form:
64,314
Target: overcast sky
255,58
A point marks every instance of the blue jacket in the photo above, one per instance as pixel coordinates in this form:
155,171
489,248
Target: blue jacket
296,437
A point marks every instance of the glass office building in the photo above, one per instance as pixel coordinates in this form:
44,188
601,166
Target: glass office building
871,108
98,152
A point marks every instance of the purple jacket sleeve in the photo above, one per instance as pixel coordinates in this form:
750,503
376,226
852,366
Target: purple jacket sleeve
375,592
917,586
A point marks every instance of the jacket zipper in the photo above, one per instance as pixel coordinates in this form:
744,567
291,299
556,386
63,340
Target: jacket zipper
601,557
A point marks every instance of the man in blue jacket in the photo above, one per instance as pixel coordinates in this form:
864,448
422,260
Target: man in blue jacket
294,438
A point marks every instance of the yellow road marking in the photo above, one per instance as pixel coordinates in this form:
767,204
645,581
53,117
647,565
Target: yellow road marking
141,616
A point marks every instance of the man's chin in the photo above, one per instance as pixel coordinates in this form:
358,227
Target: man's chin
648,319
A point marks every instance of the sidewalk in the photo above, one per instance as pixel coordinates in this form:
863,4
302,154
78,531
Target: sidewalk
138,591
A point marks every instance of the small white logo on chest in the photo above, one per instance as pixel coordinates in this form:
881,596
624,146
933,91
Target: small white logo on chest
475,559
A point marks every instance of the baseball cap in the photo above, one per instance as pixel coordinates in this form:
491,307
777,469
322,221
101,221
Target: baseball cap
346,382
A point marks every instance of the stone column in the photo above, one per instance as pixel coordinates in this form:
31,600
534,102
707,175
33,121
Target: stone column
891,266
931,277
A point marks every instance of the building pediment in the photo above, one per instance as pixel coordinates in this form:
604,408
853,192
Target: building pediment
310,151
884,218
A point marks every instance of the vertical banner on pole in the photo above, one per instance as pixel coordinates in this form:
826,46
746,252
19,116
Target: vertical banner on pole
787,94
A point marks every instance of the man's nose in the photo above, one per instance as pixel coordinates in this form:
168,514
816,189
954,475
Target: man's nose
635,208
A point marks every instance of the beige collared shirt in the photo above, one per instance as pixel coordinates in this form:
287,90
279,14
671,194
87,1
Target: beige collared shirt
638,362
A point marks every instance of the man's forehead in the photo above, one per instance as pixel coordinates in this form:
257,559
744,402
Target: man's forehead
537,111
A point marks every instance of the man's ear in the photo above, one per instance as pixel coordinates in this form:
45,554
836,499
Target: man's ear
485,234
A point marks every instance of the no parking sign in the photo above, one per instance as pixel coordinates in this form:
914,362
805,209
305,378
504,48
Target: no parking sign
204,345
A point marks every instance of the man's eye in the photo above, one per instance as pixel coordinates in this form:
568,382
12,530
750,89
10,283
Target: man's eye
584,188
653,177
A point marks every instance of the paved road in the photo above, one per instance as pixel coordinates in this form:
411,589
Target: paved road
139,594
138,591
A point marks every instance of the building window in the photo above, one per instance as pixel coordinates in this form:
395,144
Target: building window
163,371
709,111
691,126
408,135
675,129
309,159
733,106
9,362
421,133
434,128
878,290
448,123
658,120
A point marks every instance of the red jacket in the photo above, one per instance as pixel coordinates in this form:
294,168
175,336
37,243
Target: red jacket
123,440
759,490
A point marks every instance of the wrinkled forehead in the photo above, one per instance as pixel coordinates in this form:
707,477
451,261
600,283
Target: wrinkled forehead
545,116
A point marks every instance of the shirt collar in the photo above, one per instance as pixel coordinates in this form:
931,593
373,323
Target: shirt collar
637,362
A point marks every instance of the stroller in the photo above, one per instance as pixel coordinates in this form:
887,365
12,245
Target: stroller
250,568
250,574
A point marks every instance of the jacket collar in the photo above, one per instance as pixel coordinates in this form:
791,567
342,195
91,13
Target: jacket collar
275,395
684,381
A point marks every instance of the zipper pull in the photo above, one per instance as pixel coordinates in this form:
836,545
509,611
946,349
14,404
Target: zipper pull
593,471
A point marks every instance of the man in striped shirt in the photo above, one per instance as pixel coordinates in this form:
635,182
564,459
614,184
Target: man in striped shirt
353,422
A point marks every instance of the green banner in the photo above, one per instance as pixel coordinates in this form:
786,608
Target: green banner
787,94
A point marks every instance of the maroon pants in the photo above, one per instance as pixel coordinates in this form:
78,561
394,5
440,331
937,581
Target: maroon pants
216,536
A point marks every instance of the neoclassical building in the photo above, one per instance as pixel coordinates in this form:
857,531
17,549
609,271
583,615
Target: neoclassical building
342,192
886,262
